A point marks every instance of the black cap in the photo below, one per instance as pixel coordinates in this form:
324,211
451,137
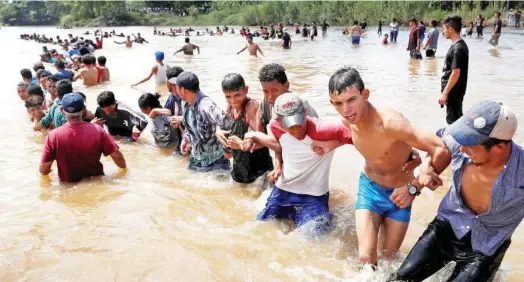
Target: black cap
189,81
35,90
55,77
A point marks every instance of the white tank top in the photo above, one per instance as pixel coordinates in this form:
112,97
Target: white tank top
161,77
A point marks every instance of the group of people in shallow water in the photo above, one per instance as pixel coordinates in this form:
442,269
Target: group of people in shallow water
475,220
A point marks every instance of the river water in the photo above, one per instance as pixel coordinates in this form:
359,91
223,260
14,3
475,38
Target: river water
160,222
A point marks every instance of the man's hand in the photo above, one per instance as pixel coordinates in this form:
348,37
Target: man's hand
401,197
248,145
99,121
221,136
413,162
323,147
176,121
234,142
185,147
135,134
274,175
443,99
429,178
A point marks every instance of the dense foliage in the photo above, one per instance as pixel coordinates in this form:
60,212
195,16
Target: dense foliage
176,13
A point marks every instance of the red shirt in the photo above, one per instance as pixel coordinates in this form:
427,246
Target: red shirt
77,149
99,44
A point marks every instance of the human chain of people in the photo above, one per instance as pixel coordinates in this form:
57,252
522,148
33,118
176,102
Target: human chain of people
282,140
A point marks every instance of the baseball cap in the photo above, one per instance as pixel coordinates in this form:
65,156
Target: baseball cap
159,55
42,73
484,121
290,110
187,80
73,103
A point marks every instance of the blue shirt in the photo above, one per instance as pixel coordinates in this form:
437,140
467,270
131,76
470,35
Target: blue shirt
73,52
490,229
66,74
170,104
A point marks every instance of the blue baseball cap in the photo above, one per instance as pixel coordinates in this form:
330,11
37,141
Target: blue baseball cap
485,120
73,103
159,55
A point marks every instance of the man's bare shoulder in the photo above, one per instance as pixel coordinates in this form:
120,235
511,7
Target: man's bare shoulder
392,120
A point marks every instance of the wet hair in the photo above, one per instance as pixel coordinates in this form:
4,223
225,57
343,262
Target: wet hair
64,86
105,99
345,78
434,23
492,142
34,101
22,84
355,22
454,21
86,60
187,39
233,82
272,72
35,90
102,60
149,100
26,73
173,72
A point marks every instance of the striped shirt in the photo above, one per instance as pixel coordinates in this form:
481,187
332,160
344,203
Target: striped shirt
488,230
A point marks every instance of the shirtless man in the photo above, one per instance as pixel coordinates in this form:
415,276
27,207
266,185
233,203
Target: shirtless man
106,76
88,73
356,32
188,48
128,42
139,39
253,48
386,139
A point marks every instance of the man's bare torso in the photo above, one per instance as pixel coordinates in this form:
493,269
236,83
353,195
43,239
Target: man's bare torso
188,49
385,155
89,76
252,48
105,74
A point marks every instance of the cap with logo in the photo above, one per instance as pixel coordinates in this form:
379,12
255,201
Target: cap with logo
485,120
73,103
290,110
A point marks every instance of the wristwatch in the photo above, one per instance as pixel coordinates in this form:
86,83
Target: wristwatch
413,190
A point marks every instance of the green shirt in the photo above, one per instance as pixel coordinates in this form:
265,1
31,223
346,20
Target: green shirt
54,115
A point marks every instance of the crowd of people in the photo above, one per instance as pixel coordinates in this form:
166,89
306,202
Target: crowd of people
475,220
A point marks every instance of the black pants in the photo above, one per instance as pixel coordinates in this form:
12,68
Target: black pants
430,53
479,30
454,106
437,246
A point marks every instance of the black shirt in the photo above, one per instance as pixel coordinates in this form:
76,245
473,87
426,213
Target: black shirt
457,58
286,39
324,26
123,121
498,24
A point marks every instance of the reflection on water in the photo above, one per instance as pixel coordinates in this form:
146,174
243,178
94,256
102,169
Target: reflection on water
159,221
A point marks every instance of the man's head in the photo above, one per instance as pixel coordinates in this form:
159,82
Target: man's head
187,39
434,23
35,90
128,37
235,90
394,20
38,66
41,76
413,22
355,22
348,94
60,65
138,34
107,102
171,74
485,131
249,38
34,106
187,85
73,107
291,114
274,81
63,87
51,84
159,56
21,88
26,75
102,61
451,26
497,14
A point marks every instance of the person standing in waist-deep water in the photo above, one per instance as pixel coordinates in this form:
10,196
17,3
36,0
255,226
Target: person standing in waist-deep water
242,115
324,28
497,30
455,70
158,70
163,133
432,41
379,31
393,30
286,40
414,41
479,23
484,204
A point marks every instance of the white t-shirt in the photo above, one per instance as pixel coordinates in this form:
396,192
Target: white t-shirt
393,26
304,172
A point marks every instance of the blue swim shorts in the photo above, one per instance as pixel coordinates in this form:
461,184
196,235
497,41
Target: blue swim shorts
300,208
375,198
355,39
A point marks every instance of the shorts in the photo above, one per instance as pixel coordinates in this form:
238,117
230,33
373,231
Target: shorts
438,246
375,198
355,39
300,208
221,164
430,53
